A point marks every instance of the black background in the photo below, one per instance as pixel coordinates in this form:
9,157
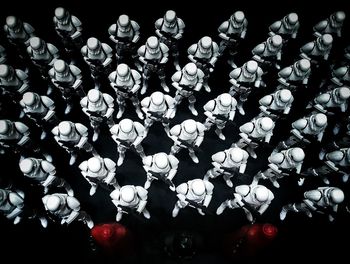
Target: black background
316,238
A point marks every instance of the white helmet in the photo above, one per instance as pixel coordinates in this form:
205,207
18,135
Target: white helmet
343,92
5,71
338,16
284,95
60,66
152,44
123,71
276,40
157,98
236,154
303,65
190,126
36,43
205,42
27,165
30,99
53,203
93,45
124,23
94,96
297,154
314,195
266,123
94,164
62,15
292,18
225,99
251,66
326,39
5,126
261,193
14,23
170,18
336,195
190,71
237,18
161,160
127,193
65,128
320,120
126,125
198,187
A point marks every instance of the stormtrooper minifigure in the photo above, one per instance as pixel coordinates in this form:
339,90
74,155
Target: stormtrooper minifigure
98,169
3,55
204,54
219,111
318,50
255,132
187,81
126,84
332,25
13,82
68,79
99,107
73,137
125,34
323,200
254,199
341,159
269,53
281,164
66,208
12,204
228,163
189,134
232,32
160,166
243,79
158,107
40,109
99,58
43,55
130,199
69,28
276,104
287,27
170,29
44,173
128,134
196,193
340,77
154,56
295,75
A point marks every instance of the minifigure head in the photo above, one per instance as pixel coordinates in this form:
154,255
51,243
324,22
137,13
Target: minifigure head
37,45
190,71
94,96
237,19
127,193
190,126
30,99
152,44
324,42
198,187
225,101
124,24
170,18
236,155
27,165
251,66
94,164
53,203
6,72
343,92
319,120
61,68
261,193
5,126
303,65
335,156
161,160
65,128
93,45
62,15
336,196
266,124
126,125
205,44
14,23
297,154
157,98
337,19
284,95
274,43
291,19
123,72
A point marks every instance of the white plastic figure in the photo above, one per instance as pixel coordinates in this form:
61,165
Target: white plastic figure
158,107
332,25
196,193
187,81
13,82
276,104
66,208
170,29
269,53
204,54
130,199
323,200
99,107
243,79
99,58
160,166
232,32
128,134
11,204
126,83
68,79
295,75
219,111
254,199
317,50
287,27
341,159
40,109
44,173
43,55
189,134
73,137
255,132
154,56
98,169
228,163
281,164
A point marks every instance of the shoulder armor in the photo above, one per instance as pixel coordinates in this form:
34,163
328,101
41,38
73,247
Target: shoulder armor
192,49
276,158
300,124
22,128
142,192
84,102
147,161
146,102
176,76
235,73
209,187
223,27
182,188
175,130
284,73
83,130
75,70
47,101
259,49
209,106
174,162
247,128
115,195
243,190
266,100
76,22
83,166
110,164
219,157
108,99
73,203
136,75
47,166
114,129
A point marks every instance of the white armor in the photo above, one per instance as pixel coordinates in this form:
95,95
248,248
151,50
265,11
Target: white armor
319,48
278,102
253,199
189,134
66,208
336,98
18,32
287,27
314,124
228,163
11,204
158,107
128,199
98,169
162,165
128,134
99,107
269,52
295,75
341,76
13,81
219,111
341,158
332,25
196,193
187,81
